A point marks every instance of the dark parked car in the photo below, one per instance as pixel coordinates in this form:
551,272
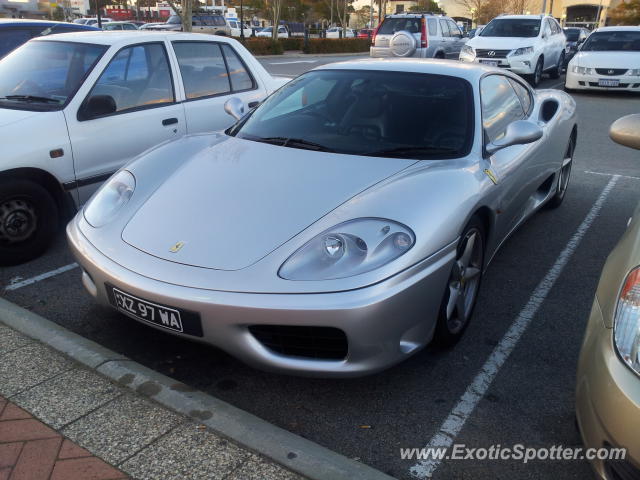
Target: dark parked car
14,33
575,37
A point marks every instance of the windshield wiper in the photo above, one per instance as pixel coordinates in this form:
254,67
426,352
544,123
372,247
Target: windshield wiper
30,98
409,152
293,143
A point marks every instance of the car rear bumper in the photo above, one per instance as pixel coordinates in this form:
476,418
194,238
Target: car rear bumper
607,399
383,323
385,52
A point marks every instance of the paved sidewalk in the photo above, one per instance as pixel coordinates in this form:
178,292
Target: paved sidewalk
30,450
87,427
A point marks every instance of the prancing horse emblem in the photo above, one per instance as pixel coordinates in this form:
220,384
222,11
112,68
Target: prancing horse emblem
176,248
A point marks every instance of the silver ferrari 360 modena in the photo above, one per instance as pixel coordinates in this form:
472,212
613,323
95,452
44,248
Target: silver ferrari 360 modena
341,225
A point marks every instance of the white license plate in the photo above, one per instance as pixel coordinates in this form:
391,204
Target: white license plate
160,315
491,63
605,82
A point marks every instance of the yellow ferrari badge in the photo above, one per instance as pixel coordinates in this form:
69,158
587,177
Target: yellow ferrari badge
491,175
176,248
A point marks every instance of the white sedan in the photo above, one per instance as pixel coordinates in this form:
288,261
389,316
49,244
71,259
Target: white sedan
268,32
75,107
608,60
336,32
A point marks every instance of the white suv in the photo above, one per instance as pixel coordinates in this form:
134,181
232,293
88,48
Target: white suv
525,44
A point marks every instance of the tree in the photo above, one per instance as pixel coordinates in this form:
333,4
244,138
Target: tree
58,14
185,12
426,6
626,13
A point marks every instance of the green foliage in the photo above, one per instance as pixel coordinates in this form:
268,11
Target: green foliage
426,6
626,13
337,45
264,46
58,14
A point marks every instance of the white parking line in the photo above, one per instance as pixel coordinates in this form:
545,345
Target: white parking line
611,175
42,276
461,412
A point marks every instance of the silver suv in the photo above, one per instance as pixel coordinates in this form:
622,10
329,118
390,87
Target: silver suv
422,35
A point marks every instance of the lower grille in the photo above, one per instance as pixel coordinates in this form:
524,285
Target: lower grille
611,71
622,85
484,53
310,342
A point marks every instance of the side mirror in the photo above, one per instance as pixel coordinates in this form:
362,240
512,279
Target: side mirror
519,132
626,131
234,107
98,106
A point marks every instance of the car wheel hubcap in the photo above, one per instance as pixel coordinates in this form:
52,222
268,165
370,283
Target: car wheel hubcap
565,172
464,281
17,221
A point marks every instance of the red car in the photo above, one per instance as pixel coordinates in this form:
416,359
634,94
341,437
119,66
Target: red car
365,33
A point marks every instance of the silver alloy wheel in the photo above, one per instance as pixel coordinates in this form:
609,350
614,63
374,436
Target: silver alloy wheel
18,221
565,171
464,281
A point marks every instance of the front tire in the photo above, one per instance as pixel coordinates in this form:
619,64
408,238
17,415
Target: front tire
29,220
563,177
463,285
536,78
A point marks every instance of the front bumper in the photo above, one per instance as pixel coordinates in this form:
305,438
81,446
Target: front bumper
519,65
607,398
577,81
384,323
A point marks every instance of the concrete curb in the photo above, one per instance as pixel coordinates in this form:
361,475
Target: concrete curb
309,55
292,451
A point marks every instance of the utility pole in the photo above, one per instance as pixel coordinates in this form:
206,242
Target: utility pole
371,15
98,13
241,24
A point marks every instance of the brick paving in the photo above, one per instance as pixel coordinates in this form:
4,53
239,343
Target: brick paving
30,450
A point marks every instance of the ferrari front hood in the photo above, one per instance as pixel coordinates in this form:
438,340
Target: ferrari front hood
229,206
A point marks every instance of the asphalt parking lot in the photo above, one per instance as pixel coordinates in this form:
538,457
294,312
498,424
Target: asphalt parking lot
530,400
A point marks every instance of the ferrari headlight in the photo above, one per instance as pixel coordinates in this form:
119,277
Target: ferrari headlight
634,72
522,51
348,249
110,198
467,50
582,70
626,323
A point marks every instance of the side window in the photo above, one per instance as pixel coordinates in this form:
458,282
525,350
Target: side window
202,68
241,79
453,28
500,106
523,94
433,26
12,38
128,26
219,21
445,28
136,77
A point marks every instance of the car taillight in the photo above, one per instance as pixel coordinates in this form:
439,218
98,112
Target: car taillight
373,37
626,326
424,43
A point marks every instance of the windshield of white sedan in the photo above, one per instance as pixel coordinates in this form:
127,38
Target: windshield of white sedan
512,27
374,113
44,75
613,42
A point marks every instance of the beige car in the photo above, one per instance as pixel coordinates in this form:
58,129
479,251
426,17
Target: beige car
608,383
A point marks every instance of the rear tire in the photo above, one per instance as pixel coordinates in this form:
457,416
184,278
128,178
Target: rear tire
461,294
556,72
564,175
29,220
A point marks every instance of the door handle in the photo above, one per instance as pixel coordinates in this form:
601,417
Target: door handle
254,104
169,121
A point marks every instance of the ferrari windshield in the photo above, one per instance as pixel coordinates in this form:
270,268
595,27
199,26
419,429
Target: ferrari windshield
512,27
619,41
362,112
43,75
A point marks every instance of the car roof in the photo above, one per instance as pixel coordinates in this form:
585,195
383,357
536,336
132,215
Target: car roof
618,29
525,17
12,22
124,37
454,68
